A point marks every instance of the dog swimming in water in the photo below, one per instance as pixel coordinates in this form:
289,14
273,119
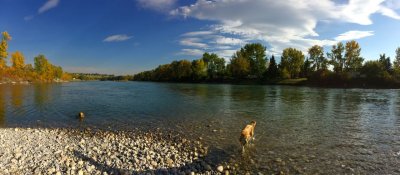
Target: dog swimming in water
247,134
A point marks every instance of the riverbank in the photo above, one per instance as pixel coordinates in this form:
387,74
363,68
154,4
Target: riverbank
75,151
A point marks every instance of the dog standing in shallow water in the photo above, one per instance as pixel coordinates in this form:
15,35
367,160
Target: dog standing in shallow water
247,134
81,115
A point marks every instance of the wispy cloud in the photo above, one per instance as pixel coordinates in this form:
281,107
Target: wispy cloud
158,5
193,42
191,52
28,18
117,38
354,34
198,33
48,5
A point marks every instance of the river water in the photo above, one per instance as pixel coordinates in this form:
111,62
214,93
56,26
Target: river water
300,130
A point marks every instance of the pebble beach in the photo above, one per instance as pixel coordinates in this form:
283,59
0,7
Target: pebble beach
87,151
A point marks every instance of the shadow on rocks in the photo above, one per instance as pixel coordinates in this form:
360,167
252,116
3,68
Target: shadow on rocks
215,157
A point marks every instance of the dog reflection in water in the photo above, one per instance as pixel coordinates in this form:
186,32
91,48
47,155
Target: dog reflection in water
247,135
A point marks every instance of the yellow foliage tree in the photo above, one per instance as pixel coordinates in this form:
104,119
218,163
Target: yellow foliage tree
17,60
3,49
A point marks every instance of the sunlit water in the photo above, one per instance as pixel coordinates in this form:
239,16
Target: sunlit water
299,129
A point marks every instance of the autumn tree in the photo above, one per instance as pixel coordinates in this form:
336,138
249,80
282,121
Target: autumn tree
336,57
317,58
3,49
239,65
292,60
199,69
352,56
183,70
17,60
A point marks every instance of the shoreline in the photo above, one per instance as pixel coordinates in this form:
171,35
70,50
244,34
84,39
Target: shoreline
86,151
300,84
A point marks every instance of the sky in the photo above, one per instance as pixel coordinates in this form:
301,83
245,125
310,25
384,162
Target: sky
130,36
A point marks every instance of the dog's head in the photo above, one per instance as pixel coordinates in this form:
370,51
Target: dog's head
253,123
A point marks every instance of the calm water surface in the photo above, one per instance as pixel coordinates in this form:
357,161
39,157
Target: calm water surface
299,129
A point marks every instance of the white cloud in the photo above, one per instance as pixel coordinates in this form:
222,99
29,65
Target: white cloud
281,24
389,13
353,35
193,42
221,40
198,33
117,38
225,53
48,5
158,5
191,52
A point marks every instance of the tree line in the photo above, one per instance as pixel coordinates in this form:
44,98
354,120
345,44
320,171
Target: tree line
42,70
342,65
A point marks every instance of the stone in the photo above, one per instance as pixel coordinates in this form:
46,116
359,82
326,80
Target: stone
220,168
170,162
154,164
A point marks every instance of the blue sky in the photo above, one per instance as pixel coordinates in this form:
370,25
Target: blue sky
129,36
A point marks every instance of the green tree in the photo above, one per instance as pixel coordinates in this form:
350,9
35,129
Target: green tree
373,69
337,59
57,71
307,69
352,55
41,64
385,61
317,58
396,63
215,65
272,71
17,60
255,53
3,49
292,60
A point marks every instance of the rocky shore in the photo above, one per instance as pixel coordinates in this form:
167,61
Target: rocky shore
87,151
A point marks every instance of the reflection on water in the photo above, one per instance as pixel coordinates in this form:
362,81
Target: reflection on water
2,106
17,95
42,95
299,129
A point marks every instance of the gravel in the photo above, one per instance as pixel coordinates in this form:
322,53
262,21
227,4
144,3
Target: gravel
86,151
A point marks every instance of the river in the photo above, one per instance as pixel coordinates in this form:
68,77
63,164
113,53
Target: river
299,129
